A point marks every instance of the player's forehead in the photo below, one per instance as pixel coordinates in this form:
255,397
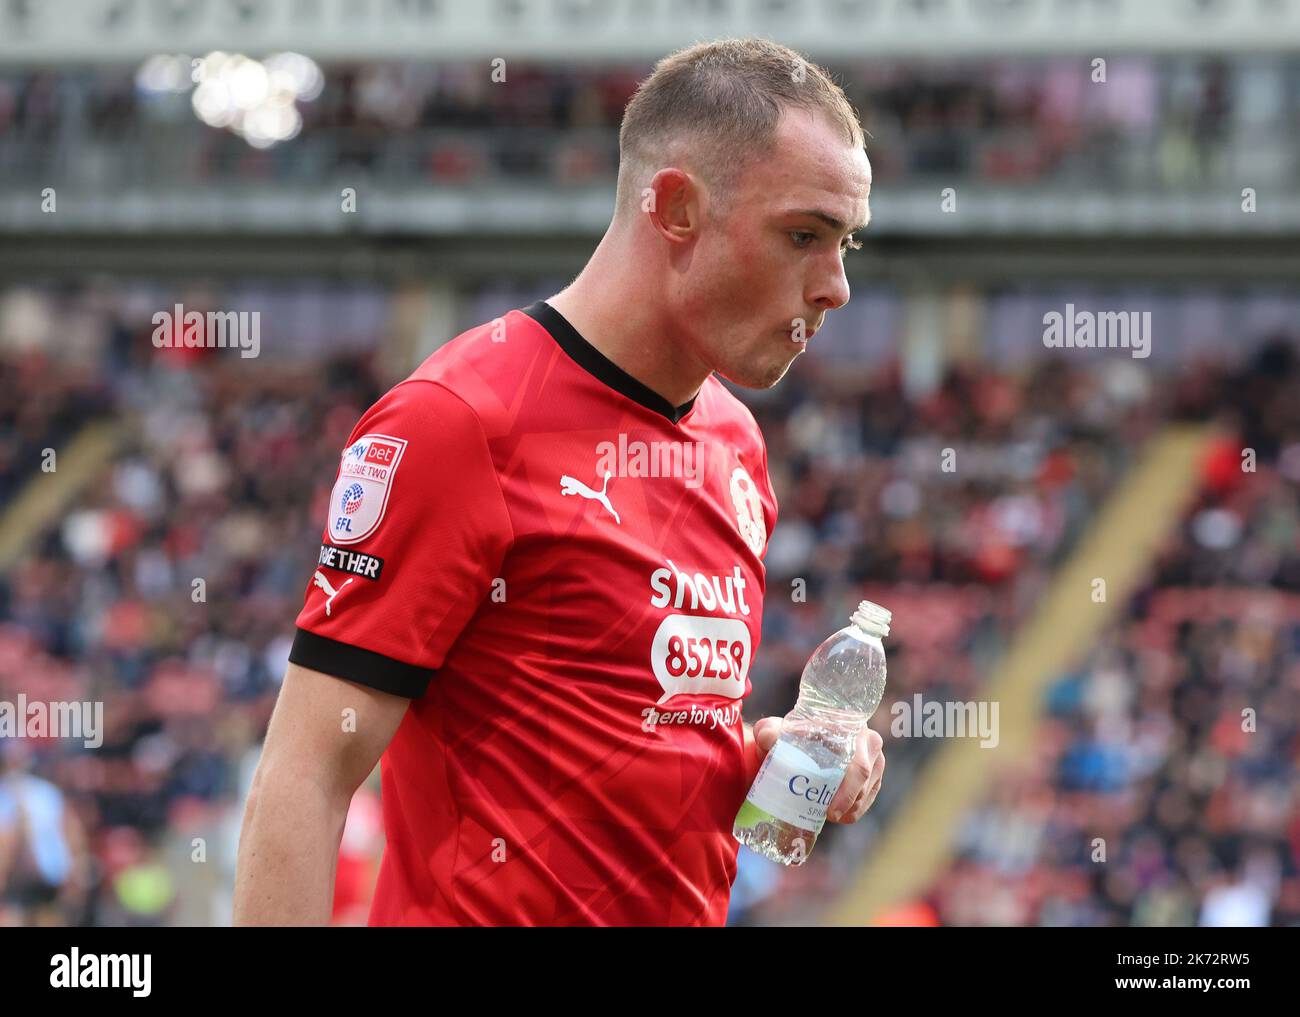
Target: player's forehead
812,165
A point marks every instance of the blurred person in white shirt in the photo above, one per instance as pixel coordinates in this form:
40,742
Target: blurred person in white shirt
43,856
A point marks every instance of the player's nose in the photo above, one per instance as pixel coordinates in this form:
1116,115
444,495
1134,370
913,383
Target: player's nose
830,287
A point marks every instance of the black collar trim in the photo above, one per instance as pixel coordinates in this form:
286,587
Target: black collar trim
600,366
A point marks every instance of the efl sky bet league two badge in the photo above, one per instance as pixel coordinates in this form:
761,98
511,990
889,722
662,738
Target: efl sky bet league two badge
360,495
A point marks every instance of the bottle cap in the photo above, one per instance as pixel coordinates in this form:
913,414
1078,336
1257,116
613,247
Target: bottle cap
872,618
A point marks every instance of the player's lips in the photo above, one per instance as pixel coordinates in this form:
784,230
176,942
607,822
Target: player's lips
808,334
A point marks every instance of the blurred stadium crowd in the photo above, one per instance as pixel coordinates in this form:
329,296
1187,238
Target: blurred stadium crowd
1177,741
1159,122
219,478
1145,745
223,467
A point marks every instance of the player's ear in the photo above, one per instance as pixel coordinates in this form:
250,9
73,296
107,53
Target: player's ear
673,204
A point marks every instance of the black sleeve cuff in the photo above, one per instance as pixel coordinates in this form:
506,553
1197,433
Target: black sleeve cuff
365,667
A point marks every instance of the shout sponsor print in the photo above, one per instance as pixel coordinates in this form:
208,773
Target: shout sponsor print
700,653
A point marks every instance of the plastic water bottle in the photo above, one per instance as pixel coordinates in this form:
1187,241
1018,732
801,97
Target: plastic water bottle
841,687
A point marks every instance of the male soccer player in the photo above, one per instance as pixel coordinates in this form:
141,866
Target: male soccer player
540,586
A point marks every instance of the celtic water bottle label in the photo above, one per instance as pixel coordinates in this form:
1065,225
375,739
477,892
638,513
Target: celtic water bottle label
793,788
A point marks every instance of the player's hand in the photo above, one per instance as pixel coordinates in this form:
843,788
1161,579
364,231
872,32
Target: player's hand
862,778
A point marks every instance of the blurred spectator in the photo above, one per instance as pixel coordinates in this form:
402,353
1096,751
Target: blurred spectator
43,862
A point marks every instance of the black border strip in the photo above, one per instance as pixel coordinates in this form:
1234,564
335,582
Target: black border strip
365,667
600,366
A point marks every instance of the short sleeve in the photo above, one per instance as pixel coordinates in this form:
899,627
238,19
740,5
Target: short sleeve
416,531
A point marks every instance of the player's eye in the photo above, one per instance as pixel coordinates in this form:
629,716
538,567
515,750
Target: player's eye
801,238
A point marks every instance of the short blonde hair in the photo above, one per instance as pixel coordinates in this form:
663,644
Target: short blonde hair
724,100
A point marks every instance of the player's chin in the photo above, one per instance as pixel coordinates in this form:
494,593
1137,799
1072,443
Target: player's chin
762,375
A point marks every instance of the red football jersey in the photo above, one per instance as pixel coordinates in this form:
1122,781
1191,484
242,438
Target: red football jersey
564,573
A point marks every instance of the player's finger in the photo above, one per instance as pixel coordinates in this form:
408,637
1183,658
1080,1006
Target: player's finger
858,778
867,798
766,731
857,775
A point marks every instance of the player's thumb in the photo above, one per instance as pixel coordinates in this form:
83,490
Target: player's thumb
766,732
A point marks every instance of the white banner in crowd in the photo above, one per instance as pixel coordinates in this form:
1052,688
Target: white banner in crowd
43,32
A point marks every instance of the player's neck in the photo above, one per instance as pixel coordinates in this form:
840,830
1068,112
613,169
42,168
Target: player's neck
614,316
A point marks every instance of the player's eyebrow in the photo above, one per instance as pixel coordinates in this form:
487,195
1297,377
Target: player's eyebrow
828,219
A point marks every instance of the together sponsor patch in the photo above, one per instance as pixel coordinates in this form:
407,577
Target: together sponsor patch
367,566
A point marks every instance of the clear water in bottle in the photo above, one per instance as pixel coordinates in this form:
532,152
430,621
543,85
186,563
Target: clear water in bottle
841,687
